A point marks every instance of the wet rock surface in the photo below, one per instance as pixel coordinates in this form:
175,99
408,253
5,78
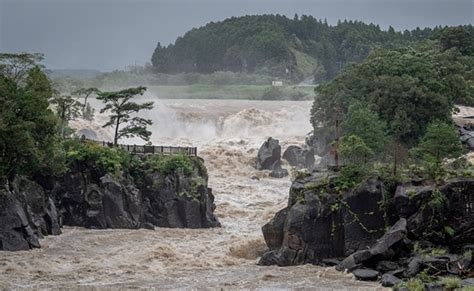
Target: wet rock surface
86,197
299,157
386,231
269,154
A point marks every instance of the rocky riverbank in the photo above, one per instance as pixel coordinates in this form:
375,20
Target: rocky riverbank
380,230
89,197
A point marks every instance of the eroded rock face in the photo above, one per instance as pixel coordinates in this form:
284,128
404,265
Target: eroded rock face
432,208
86,197
173,200
376,225
26,214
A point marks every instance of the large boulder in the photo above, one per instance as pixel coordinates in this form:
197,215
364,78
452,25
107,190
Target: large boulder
382,249
269,154
278,171
299,157
16,232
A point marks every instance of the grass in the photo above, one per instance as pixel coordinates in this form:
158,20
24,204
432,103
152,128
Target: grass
451,283
414,284
246,92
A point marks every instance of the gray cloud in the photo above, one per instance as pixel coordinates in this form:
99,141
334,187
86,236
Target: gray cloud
110,34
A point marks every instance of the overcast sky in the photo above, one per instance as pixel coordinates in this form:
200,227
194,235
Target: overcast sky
110,34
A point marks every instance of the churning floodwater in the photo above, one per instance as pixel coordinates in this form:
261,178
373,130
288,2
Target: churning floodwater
228,134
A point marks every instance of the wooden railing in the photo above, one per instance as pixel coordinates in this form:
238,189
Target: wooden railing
150,149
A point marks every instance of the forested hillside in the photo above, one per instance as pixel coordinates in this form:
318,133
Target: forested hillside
276,45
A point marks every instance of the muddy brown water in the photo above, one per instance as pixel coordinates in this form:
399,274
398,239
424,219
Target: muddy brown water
228,134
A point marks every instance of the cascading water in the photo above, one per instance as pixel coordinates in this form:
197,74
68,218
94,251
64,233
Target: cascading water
227,134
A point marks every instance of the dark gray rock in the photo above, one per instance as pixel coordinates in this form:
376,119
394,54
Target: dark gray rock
413,202
331,262
366,274
148,225
268,154
386,266
414,267
16,232
278,171
309,235
273,230
364,220
88,198
389,280
299,157
381,250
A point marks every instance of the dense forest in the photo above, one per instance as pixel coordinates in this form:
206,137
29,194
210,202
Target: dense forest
276,45
399,102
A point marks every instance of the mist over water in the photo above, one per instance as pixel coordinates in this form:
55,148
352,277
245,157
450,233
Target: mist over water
228,134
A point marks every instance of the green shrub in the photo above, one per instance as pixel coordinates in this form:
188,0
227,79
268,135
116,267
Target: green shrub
169,164
110,160
349,177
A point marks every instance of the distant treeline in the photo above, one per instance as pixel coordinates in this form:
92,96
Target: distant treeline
276,45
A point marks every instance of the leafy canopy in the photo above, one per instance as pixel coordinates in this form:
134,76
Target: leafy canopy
29,140
121,108
408,88
364,123
440,141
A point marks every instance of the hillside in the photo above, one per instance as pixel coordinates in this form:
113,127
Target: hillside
276,45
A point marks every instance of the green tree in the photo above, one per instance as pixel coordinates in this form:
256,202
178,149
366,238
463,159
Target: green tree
354,150
121,108
364,123
67,109
440,141
87,110
17,66
29,142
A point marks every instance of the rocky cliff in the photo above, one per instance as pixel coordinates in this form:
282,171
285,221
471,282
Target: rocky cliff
89,197
379,227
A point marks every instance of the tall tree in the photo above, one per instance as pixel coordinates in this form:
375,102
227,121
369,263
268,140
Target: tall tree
121,108
29,142
16,67
67,109
366,124
86,93
440,141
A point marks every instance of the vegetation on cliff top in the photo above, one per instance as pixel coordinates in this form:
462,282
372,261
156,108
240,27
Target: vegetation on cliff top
34,135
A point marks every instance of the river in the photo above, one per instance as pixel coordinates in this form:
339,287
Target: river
228,134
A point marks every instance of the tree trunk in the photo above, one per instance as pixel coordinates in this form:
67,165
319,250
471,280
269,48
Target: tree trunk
116,132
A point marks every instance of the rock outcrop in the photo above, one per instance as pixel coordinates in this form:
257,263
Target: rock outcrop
26,215
299,157
85,196
382,229
269,158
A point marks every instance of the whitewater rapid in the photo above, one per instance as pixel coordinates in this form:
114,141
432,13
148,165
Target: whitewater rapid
228,134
